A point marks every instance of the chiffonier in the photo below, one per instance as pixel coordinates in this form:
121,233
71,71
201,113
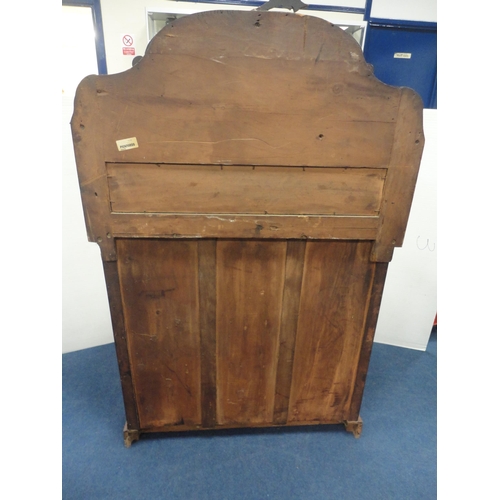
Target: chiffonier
247,182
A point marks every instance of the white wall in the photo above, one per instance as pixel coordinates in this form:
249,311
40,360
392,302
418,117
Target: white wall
410,295
358,4
85,314
125,16
407,10
129,16
86,320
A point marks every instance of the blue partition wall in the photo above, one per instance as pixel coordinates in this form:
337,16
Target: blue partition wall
405,55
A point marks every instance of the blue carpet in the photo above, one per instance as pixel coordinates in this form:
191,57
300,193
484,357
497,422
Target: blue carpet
395,457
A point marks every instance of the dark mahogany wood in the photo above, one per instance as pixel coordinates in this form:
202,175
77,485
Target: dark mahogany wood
247,182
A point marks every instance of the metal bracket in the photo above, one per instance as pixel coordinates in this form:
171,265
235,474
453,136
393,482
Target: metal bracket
294,5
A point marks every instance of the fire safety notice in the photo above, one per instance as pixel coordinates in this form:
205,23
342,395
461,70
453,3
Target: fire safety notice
128,44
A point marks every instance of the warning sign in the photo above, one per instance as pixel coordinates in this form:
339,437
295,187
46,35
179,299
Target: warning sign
128,44
128,40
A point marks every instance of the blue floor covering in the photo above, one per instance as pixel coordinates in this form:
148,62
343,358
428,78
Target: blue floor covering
395,457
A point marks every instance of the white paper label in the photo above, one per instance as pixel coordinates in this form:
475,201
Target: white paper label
402,55
125,144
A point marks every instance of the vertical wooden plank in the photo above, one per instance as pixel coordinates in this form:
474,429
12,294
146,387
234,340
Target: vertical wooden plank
206,275
159,284
121,344
289,317
250,277
366,347
337,278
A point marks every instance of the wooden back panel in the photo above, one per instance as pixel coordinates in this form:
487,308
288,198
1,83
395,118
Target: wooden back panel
220,91
244,332
247,183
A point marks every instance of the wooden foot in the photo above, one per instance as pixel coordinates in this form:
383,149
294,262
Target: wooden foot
130,435
354,426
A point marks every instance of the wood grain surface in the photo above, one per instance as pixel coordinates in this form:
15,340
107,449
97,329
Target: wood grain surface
246,235
285,91
250,277
214,189
335,286
232,332
294,269
208,303
159,285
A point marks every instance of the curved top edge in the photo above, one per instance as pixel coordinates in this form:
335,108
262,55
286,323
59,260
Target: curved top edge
261,34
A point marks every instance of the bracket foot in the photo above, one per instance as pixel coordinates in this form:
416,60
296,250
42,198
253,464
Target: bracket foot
354,426
130,435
